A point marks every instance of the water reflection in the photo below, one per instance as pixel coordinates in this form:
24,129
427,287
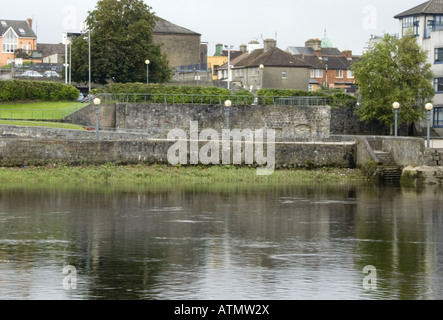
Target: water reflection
293,242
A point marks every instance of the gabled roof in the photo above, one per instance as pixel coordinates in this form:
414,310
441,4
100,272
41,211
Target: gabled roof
48,49
274,57
21,28
429,7
310,51
332,62
163,26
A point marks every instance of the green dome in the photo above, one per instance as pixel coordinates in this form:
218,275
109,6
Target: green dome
326,43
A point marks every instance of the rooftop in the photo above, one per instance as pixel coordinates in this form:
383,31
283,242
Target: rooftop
429,7
21,28
165,27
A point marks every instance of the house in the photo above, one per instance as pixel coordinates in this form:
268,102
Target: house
221,57
52,53
18,42
330,67
182,46
269,67
426,23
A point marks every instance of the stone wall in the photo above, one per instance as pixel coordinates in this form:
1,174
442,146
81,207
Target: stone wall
290,123
19,152
345,121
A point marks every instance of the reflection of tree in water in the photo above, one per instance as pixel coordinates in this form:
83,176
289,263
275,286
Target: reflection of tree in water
392,226
150,245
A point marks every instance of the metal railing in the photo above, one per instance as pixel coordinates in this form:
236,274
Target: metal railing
220,99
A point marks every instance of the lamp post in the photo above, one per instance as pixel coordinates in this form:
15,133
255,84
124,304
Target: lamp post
97,102
228,104
147,62
429,107
396,106
261,67
229,65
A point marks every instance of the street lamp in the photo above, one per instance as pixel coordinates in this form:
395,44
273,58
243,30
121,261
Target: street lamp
429,107
229,65
396,106
97,102
147,71
261,75
228,104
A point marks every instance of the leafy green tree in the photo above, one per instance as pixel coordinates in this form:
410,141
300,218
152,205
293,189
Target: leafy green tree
121,42
394,70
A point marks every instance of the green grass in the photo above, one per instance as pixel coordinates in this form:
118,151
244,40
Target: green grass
35,110
139,176
42,124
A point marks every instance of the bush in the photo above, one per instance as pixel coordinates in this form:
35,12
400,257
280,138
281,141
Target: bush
159,93
19,90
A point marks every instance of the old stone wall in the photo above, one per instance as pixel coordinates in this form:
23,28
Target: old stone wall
19,152
290,123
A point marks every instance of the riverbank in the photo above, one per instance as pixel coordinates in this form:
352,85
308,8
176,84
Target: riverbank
139,175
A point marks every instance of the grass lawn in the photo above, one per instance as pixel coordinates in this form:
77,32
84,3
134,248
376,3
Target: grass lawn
42,124
36,110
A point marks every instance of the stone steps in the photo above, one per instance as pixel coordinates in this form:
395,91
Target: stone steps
388,170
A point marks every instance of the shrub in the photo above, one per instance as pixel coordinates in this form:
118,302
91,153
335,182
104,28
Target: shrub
159,93
17,90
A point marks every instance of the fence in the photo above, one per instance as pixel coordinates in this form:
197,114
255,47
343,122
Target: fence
220,99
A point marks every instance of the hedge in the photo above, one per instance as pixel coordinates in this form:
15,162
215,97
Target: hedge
19,90
159,93
337,99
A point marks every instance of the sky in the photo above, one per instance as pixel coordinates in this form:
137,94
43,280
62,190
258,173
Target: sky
349,24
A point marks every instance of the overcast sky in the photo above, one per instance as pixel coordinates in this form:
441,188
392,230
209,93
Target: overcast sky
348,23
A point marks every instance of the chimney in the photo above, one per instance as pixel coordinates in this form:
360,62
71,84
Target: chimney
315,44
270,44
347,53
29,22
218,50
253,45
243,48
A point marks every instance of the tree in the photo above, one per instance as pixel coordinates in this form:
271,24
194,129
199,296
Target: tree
121,42
394,70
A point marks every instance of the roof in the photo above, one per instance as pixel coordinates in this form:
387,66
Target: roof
332,62
21,28
163,26
274,57
429,7
48,49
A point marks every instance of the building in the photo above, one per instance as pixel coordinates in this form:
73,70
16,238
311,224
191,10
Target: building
221,57
330,67
426,23
182,46
18,42
269,67
52,53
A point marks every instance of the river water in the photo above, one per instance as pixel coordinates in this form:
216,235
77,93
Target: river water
221,243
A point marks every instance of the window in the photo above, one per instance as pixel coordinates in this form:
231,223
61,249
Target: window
312,73
438,84
437,24
410,24
438,57
339,73
284,75
438,117
21,31
350,74
318,73
10,41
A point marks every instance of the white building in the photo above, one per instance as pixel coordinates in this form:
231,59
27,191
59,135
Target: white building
426,22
